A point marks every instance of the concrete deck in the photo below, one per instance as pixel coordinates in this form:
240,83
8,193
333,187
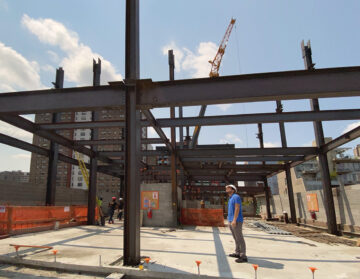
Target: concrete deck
278,256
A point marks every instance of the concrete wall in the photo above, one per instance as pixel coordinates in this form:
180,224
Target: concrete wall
162,217
28,194
347,207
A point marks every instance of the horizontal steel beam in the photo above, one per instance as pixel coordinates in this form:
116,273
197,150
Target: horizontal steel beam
245,159
222,189
299,116
319,83
223,178
260,167
116,141
82,125
237,119
248,152
10,141
59,100
31,127
224,172
143,153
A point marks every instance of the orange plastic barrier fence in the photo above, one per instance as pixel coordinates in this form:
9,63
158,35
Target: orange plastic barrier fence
202,217
23,219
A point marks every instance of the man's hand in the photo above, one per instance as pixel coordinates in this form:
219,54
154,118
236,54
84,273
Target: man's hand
233,223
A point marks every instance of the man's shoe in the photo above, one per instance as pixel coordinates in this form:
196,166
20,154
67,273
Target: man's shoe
242,260
234,255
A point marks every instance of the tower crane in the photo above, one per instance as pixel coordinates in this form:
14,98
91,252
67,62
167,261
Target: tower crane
215,67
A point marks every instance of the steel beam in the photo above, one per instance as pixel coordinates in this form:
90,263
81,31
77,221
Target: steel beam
115,141
197,129
223,178
279,110
248,152
54,149
31,127
321,83
91,220
132,137
245,159
260,136
173,143
320,141
343,139
69,99
255,189
237,119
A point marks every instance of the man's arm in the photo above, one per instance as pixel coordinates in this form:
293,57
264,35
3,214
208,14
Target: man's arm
237,211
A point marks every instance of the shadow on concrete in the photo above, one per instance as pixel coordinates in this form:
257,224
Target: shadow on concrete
62,242
221,257
302,260
163,268
265,263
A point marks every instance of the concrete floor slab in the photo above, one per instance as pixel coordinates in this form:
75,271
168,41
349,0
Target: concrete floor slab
278,256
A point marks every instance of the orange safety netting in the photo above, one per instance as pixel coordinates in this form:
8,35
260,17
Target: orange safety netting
202,217
20,219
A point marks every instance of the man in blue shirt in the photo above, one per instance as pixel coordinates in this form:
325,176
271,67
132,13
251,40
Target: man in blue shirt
236,219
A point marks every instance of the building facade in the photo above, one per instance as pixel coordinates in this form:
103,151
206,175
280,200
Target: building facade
15,176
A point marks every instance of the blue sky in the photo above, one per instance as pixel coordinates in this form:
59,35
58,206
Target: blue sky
38,36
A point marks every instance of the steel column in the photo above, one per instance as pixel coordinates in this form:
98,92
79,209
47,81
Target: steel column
323,160
132,138
93,161
54,149
279,109
266,186
173,143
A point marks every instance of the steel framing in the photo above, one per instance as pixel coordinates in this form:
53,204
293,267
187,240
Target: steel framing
137,95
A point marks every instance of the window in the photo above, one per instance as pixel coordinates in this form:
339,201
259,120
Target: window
79,184
82,134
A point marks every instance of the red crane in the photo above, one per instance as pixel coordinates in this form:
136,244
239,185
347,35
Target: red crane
215,64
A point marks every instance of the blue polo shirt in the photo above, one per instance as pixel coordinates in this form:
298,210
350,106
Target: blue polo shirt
234,199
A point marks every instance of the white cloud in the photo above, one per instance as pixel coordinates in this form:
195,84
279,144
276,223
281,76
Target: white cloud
231,139
351,127
25,156
16,72
54,57
48,68
196,64
224,107
272,144
12,131
78,60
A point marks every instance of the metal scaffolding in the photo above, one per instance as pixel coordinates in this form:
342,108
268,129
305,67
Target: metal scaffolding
138,96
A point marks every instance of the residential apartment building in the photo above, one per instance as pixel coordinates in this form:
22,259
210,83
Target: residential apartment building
14,176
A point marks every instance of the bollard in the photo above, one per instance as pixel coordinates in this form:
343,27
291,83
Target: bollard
99,260
54,253
255,266
198,265
17,251
313,271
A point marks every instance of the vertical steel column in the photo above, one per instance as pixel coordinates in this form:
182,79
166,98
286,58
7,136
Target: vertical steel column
132,138
320,141
54,148
279,109
266,186
173,142
93,161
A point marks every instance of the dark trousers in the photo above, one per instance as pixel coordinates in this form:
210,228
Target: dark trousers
120,215
111,214
240,246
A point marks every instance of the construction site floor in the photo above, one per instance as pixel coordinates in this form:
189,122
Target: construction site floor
278,256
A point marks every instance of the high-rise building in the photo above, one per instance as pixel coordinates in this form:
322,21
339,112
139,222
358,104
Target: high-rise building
14,176
70,175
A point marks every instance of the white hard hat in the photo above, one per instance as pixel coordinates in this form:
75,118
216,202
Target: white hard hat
232,186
